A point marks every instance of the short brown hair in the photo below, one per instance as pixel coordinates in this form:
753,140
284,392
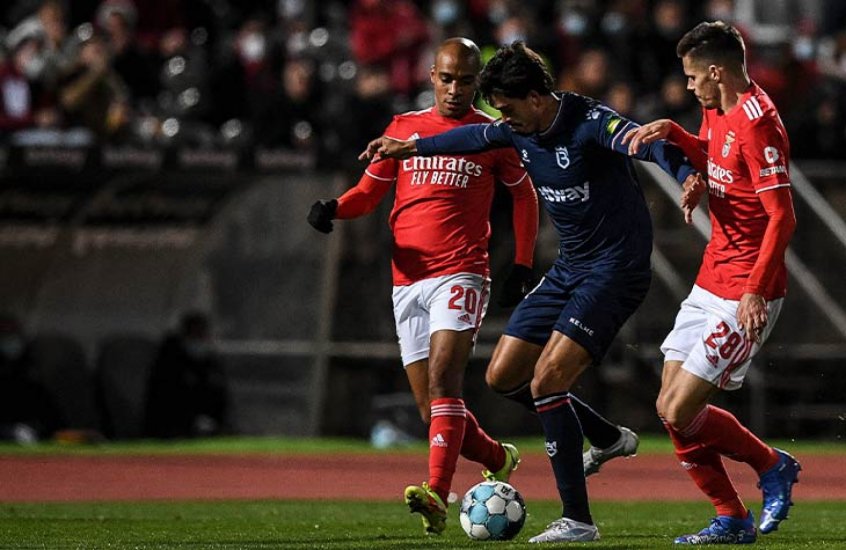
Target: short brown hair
716,42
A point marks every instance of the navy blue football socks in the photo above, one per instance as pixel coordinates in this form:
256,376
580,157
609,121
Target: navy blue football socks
595,427
564,442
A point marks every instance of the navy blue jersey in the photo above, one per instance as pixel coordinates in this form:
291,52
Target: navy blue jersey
584,177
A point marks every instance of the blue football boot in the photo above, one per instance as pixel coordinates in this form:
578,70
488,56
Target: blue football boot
724,530
776,485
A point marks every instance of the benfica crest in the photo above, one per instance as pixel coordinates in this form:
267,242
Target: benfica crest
727,144
562,157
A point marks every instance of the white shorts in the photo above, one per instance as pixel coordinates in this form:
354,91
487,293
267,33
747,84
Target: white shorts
451,302
707,339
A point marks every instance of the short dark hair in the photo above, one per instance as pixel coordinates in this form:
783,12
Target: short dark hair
514,71
715,42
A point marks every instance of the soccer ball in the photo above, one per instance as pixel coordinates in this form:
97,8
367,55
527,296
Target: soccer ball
492,510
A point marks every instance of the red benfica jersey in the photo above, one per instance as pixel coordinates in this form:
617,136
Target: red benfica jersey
748,154
442,205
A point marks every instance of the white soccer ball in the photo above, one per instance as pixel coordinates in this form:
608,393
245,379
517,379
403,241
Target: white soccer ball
492,510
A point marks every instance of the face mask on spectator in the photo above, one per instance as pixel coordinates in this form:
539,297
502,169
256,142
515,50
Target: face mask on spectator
574,23
33,66
803,48
252,47
445,12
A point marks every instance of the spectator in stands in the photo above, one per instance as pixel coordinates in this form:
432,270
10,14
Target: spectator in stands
394,34
187,391
27,411
673,101
22,103
831,57
590,76
621,98
57,51
245,78
290,117
367,112
135,67
93,95
656,44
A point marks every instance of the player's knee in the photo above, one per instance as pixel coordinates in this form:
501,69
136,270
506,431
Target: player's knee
550,380
674,417
659,406
496,378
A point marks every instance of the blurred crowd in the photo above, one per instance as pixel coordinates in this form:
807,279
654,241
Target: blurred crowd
324,77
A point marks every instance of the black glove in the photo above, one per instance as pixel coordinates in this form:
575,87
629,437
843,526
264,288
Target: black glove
321,215
519,282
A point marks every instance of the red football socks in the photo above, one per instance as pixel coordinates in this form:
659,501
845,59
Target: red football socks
479,447
721,431
446,434
705,466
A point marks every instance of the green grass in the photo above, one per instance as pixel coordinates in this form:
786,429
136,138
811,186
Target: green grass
354,525
370,526
235,445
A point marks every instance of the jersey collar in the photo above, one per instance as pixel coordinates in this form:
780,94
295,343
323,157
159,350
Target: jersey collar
546,133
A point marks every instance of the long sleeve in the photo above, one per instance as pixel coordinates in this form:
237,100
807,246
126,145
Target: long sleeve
471,138
525,220
778,204
609,128
695,149
363,198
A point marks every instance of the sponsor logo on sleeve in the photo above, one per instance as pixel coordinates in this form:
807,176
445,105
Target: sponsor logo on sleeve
771,155
612,124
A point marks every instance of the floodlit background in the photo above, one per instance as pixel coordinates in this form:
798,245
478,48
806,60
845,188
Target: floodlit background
158,159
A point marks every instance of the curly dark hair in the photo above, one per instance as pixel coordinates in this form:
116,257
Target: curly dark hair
715,42
514,71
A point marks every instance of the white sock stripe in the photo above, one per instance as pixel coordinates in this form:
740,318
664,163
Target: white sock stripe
462,412
551,399
449,410
443,407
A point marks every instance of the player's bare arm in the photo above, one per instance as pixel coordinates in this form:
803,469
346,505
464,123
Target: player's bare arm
692,190
648,133
385,147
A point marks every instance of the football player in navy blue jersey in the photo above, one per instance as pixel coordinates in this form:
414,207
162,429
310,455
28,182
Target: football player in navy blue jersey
572,147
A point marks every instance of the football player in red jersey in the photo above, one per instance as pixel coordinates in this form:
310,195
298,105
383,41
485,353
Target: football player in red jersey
440,224
741,284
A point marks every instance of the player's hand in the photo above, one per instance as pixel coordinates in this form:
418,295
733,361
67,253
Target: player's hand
521,279
752,315
692,190
321,215
653,131
384,147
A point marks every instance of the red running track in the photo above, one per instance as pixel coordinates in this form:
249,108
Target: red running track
359,477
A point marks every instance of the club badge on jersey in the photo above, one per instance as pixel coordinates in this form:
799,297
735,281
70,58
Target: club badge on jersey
562,157
727,145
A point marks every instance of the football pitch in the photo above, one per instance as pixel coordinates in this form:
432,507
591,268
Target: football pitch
216,521
362,525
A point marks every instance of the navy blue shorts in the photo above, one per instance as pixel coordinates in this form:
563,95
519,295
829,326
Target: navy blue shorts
587,307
